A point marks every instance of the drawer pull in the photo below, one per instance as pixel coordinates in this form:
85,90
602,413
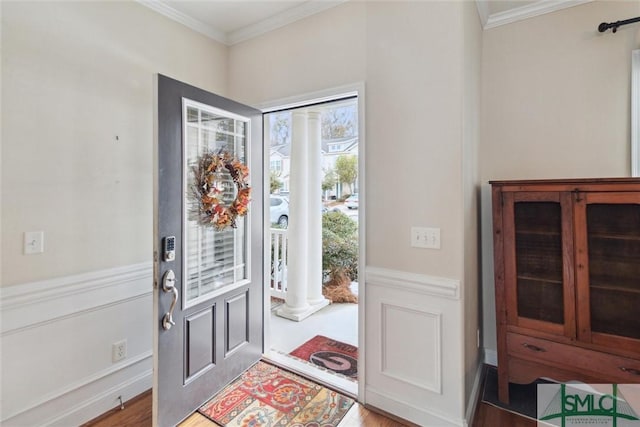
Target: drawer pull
631,371
535,348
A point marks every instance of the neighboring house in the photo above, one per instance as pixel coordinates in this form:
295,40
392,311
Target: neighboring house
449,106
331,150
280,160
280,163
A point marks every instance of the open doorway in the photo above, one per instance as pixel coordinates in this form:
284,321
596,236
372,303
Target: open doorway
314,218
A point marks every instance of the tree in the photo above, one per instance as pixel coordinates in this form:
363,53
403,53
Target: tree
280,124
329,180
347,170
339,122
275,184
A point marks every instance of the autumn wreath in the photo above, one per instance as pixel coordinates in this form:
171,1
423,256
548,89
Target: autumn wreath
211,188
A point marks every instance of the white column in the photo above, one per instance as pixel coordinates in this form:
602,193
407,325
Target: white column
296,306
314,192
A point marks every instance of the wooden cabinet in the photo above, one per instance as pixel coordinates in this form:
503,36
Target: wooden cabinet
567,277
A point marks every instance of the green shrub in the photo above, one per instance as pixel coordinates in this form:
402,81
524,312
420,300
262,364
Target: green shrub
339,245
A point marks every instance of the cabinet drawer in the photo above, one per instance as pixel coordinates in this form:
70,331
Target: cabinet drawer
609,368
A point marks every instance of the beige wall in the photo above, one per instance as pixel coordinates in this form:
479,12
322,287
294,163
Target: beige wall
472,54
555,104
324,50
75,75
410,56
556,95
413,111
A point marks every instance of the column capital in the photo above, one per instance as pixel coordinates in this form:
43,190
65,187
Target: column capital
314,114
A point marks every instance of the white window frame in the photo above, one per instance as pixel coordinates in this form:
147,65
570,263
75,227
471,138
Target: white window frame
246,266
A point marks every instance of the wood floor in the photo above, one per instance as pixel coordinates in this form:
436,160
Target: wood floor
490,416
137,413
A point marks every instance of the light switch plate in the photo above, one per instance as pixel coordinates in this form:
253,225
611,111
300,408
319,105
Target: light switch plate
33,242
425,237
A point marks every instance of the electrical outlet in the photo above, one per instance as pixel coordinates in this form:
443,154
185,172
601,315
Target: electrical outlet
425,237
118,350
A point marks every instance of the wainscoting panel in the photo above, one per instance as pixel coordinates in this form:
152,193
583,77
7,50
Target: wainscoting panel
57,338
414,347
419,363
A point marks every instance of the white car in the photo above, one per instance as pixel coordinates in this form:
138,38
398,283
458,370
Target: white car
352,201
279,211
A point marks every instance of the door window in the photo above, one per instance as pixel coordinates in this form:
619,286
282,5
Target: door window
215,260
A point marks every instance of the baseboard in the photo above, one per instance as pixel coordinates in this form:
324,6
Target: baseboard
490,357
86,400
472,404
420,416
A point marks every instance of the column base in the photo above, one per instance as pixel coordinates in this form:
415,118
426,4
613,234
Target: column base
297,315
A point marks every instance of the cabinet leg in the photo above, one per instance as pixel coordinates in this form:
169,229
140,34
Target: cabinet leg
503,389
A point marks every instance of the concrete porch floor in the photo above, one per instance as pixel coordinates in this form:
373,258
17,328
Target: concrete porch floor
338,321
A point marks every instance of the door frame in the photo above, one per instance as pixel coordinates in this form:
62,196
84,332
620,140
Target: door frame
327,95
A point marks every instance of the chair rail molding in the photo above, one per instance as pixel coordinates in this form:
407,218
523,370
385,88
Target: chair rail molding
30,304
420,283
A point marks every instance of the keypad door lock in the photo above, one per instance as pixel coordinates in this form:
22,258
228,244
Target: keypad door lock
170,248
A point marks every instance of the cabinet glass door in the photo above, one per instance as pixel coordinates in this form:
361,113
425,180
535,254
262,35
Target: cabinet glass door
538,229
537,245
613,248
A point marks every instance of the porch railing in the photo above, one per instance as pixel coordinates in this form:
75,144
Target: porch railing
279,250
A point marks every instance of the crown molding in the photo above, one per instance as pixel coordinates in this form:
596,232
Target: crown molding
186,20
309,8
280,20
233,37
528,11
483,11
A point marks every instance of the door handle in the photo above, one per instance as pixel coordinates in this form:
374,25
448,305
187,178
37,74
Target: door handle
533,347
169,285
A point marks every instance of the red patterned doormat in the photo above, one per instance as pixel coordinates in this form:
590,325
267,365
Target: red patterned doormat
330,354
268,396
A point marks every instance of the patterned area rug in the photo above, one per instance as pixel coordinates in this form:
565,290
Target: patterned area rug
268,396
330,354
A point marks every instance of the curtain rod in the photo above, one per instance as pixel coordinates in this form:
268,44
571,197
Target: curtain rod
605,26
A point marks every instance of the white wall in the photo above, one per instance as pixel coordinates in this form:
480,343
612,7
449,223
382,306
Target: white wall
555,103
74,76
